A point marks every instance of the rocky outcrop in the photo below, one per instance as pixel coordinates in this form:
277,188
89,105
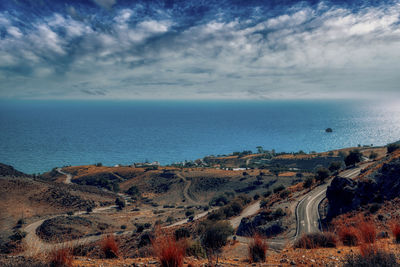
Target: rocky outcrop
345,194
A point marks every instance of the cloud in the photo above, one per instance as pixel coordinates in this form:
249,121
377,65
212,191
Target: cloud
195,51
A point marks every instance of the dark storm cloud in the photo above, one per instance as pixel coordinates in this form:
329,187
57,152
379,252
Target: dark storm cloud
164,49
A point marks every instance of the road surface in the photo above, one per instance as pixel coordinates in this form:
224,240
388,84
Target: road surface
308,220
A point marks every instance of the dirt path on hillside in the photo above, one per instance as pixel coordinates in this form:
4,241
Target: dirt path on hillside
68,177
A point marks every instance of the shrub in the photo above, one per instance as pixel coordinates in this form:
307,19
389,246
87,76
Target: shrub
109,247
214,236
133,191
181,233
194,248
169,252
88,210
267,194
263,203
257,249
308,182
219,201
61,257
284,194
392,147
189,213
374,208
278,213
279,188
353,158
120,203
396,232
368,232
335,166
321,174
349,236
316,240
370,257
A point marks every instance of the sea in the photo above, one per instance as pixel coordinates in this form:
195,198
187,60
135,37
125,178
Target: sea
36,136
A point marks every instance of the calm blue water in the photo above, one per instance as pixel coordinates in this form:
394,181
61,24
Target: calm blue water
37,136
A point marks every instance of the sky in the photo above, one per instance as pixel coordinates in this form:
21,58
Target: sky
197,49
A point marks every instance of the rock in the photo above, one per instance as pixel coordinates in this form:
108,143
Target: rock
328,130
345,194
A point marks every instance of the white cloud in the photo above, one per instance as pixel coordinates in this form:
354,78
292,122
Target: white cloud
308,52
14,31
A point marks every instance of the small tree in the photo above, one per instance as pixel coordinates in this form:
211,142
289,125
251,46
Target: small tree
392,147
353,158
308,182
321,174
120,203
133,191
214,236
335,166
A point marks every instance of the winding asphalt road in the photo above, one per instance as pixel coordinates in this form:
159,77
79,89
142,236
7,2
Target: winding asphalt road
308,220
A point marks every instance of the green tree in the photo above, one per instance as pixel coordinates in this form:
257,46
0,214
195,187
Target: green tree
214,236
321,174
120,203
335,166
353,158
392,147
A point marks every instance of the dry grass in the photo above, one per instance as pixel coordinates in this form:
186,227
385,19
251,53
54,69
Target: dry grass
61,257
110,247
367,232
258,249
316,240
395,227
169,252
349,236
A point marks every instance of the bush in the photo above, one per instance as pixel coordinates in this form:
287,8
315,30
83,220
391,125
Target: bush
368,232
181,233
374,208
278,213
321,174
169,252
316,240
109,247
396,232
267,194
335,166
61,257
194,249
308,182
370,257
120,203
214,236
392,147
353,158
279,188
284,194
133,191
189,213
219,201
349,236
258,249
